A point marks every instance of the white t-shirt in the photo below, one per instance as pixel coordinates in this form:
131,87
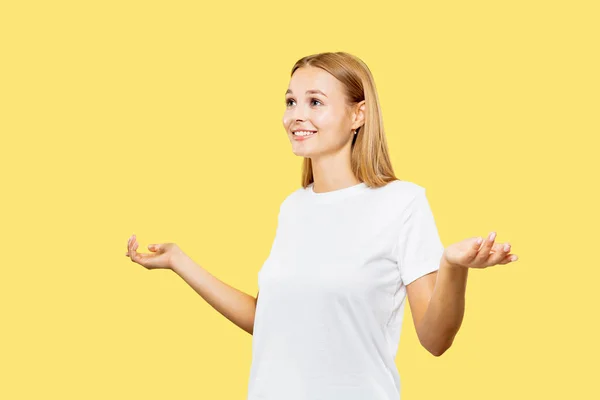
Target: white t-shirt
332,292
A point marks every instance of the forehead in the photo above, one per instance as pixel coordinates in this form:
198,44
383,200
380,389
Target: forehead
307,78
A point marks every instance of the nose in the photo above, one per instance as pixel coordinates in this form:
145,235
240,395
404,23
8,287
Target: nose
295,116
298,113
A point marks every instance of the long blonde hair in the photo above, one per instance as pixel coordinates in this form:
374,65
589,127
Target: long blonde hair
370,161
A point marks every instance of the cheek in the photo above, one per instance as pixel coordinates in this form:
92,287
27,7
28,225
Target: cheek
326,120
287,119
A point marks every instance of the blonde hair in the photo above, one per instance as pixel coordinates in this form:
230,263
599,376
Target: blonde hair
370,160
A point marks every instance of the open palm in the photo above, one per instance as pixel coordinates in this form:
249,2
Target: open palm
471,254
160,258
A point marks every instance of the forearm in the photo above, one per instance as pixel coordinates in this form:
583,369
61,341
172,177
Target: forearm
446,309
235,305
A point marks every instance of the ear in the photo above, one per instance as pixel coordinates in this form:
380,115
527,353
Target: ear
359,115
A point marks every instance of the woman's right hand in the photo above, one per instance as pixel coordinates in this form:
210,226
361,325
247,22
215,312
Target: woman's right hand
162,256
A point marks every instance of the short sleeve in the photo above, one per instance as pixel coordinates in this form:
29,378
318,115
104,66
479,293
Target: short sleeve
273,244
419,248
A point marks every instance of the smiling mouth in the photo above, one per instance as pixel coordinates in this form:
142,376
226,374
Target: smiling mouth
304,133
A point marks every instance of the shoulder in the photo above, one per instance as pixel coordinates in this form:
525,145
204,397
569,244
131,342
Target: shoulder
402,191
291,198
397,198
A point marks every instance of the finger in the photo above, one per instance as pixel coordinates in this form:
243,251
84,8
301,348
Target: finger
131,251
505,260
141,254
509,258
134,246
486,246
498,253
500,248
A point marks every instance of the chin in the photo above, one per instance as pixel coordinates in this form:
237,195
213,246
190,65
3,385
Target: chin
307,154
301,154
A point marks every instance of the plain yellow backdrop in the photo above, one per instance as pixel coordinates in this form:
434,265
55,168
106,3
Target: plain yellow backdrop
163,119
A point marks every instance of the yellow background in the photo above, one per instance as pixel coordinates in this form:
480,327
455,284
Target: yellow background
163,119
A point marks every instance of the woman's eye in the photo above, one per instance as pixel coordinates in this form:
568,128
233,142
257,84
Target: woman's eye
287,102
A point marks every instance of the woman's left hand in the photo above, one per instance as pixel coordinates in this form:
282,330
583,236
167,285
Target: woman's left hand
470,254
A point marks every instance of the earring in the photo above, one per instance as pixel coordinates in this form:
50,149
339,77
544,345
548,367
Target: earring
355,131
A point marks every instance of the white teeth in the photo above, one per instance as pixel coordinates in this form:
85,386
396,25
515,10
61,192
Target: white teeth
303,133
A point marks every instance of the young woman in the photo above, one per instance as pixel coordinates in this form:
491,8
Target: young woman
352,243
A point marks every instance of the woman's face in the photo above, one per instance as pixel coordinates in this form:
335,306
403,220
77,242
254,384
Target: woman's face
315,102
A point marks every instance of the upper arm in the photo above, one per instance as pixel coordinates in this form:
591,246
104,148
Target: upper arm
419,294
419,250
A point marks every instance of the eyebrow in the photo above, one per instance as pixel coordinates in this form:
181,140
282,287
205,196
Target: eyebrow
309,91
